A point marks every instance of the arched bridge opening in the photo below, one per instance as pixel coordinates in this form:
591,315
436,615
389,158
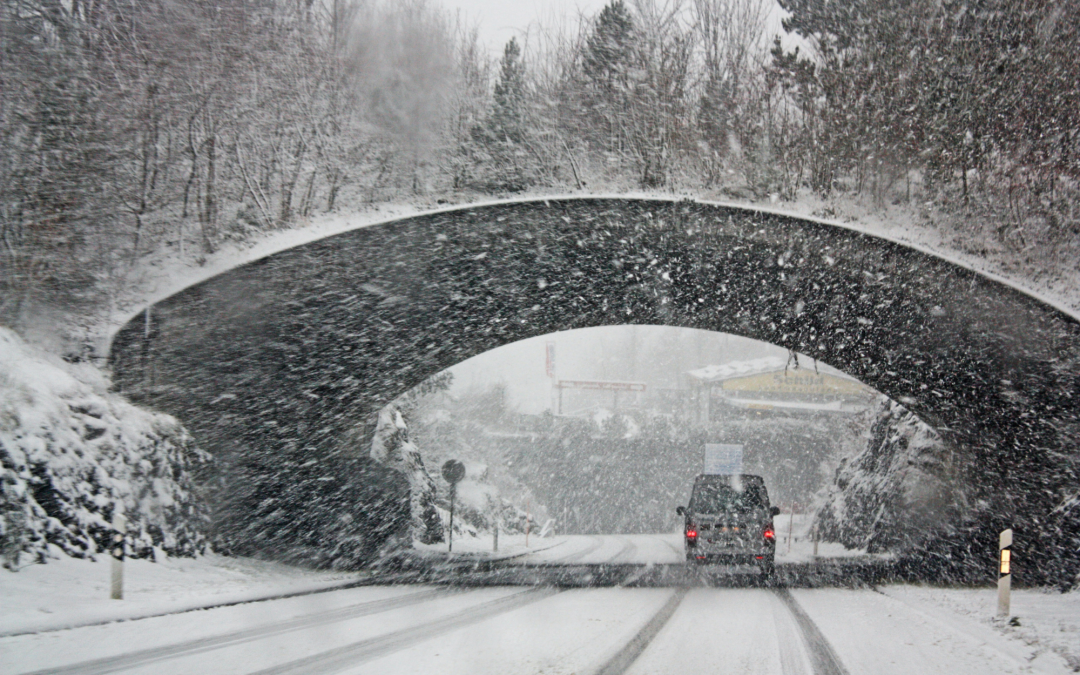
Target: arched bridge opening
270,364
602,431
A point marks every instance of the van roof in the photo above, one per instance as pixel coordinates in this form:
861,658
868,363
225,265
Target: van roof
726,477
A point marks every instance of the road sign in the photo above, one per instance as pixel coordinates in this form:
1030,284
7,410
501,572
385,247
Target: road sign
723,459
453,471
602,385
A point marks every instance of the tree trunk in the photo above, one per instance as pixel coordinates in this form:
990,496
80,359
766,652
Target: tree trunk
287,187
209,218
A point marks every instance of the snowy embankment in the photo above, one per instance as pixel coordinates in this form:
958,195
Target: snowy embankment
73,455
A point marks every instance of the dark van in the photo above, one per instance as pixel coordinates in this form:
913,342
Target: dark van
729,520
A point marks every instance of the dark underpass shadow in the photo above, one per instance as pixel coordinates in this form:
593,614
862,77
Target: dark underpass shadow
820,574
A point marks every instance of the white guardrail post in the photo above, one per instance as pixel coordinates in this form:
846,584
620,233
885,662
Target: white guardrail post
1004,571
116,551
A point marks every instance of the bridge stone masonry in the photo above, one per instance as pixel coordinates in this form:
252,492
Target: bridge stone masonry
275,363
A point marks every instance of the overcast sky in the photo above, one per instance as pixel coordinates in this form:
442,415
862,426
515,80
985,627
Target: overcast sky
499,20
655,355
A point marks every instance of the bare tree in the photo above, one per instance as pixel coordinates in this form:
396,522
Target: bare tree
731,35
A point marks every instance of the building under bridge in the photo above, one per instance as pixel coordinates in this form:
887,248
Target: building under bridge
773,386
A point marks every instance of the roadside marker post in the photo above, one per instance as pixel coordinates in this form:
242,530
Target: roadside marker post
1005,540
791,525
116,550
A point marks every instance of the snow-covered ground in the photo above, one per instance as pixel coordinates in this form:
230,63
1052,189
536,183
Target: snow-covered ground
70,592
914,630
522,631
482,545
1043,620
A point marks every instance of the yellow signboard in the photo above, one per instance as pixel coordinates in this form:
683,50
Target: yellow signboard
800,381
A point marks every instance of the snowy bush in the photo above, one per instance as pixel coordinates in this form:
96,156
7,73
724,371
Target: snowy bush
72,454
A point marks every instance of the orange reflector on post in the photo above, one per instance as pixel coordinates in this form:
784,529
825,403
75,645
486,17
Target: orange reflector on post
1005,541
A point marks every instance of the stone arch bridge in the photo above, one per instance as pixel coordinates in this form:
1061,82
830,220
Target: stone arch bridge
272,363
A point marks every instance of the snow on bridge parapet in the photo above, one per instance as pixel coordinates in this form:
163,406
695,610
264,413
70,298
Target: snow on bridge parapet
164,277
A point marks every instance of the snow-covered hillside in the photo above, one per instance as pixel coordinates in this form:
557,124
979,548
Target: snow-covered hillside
72,455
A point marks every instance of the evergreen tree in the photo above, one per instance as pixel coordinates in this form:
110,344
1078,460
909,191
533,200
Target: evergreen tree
507,116
503,135
609,49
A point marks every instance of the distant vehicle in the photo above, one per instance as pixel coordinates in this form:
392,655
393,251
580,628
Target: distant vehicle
729,520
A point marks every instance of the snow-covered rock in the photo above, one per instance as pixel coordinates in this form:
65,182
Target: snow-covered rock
72,455
897,491
390,447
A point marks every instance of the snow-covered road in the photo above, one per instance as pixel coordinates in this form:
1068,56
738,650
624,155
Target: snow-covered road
511,630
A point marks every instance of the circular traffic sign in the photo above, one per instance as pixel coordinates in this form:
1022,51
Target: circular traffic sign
453,471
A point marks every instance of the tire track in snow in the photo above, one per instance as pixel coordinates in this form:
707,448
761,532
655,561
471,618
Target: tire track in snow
625,553
626,656
823,660
597,542
679,550
335,660
793,658
112,664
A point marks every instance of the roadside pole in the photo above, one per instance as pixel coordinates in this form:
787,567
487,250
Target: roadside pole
452,471
790,526
117,552
453,492
1004,571
496,546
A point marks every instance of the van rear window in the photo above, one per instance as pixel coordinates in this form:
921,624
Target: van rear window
718,498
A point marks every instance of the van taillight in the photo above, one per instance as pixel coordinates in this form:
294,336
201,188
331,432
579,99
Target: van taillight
769,534
691,534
